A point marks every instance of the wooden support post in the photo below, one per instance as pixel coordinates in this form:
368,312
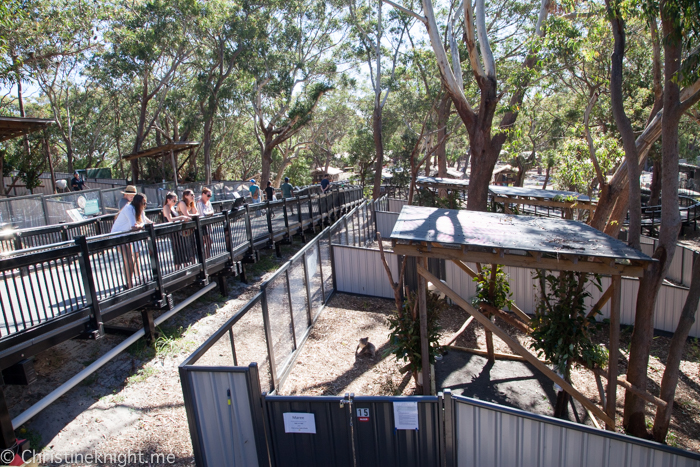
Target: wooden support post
489,334
149,326
514,344
616,285
423,316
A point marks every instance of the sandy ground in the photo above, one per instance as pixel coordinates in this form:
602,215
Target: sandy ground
134,404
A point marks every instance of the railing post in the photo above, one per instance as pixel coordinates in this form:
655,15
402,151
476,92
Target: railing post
227,236
64,233
155,265
268,337
286,220
249,230
45,206
96,324
268,213
200,250
311,213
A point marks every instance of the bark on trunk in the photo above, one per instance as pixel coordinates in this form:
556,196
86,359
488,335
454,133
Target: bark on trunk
634,417
655,184
379,149
625,127
546,178
669,381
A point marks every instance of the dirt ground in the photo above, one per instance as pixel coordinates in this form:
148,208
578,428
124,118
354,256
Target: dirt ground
134,403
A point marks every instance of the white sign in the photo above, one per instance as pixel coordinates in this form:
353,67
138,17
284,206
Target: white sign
299,422
406,415
75,215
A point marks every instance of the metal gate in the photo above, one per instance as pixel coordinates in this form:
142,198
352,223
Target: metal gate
352,431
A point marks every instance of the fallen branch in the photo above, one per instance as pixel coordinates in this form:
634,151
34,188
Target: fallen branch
461,330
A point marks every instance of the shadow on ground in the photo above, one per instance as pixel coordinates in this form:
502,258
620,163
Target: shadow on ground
506,382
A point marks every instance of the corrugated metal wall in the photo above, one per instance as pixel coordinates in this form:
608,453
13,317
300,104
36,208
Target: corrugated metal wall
360,271
385,222
395,205
365,275
681,269
221,404
487,435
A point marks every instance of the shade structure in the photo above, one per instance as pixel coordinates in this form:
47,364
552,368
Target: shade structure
163,150
13,127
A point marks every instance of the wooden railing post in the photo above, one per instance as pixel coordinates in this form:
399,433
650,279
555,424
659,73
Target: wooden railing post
201,253
155,265
249,231
96,325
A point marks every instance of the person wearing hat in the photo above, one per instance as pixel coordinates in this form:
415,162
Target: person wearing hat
129,193
76,183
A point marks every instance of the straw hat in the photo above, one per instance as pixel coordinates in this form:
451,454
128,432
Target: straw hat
130,190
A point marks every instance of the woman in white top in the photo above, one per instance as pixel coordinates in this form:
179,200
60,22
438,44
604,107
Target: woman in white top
205,208
129,219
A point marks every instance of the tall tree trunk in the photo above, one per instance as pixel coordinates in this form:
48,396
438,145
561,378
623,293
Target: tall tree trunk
546,178
625,126
634,417
655,184
669,381
443,116
378,147
207,149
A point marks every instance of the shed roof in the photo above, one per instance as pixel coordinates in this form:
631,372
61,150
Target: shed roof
163,150
437,182
524,192
449,227
12,127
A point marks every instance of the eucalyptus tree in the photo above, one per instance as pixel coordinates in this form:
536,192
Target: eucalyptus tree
146,45
228,34
377,42
292,72
70,27
497,44
680,28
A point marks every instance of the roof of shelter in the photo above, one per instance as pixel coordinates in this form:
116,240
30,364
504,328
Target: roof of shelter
453,183
12,127
163,150
489,231
523,192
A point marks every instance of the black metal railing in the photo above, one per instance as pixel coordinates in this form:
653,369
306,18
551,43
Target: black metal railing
61,269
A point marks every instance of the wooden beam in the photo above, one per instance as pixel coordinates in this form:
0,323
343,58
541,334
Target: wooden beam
616,285
601,302
519,261
483,353
423,317
652,399
514,345
522,327
461,330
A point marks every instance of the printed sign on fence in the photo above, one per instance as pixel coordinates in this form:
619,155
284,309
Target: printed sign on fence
295,422
406,415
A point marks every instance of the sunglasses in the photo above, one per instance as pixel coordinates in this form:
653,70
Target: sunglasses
208,195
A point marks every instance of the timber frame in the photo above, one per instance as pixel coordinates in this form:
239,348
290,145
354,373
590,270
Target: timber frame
13,127
519,241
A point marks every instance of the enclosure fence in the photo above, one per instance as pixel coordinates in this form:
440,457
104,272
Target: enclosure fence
233,422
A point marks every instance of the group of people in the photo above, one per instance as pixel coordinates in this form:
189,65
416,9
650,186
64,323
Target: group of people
286,188
132,217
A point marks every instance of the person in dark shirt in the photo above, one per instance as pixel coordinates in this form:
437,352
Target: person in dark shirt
270,192
77,183
325,184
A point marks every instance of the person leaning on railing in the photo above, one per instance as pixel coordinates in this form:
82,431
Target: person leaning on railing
187,208
170,214
130,219
206,209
